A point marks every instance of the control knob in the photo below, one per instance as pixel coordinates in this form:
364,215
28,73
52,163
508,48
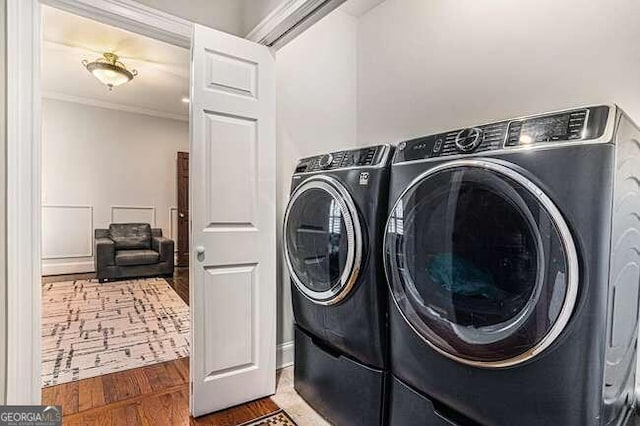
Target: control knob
468,139
325,161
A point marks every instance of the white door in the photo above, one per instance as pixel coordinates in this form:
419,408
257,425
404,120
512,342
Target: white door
233,292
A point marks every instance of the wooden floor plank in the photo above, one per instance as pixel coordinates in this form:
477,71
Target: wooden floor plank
120,386
159,377
171,409
182,365
175,374
65,395
127,415
180,283
90,393
48,396
143,381
107,389
135,400
100,417
237,415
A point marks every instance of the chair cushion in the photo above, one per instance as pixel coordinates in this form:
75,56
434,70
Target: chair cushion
136,257
130,236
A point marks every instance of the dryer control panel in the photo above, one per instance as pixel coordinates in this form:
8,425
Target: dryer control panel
568,126
364,157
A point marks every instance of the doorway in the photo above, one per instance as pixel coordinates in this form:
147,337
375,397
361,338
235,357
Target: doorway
231,55
114,116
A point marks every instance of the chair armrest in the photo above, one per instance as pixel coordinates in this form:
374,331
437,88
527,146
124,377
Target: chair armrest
101,233
164,246
105,254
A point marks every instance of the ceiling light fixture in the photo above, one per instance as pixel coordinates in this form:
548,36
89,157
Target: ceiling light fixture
185,100
110,70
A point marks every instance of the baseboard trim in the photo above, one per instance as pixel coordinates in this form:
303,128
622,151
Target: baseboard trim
67,268
284,354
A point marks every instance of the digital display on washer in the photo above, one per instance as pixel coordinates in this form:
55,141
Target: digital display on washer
550,128
545,129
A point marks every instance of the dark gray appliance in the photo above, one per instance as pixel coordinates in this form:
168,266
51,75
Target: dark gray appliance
333,231
512,251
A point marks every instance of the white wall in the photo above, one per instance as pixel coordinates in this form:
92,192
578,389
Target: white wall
223,15
236,17
425,66
316,78
101,164
255,11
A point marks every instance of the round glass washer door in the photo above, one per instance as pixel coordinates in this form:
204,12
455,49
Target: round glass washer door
322,240
481,263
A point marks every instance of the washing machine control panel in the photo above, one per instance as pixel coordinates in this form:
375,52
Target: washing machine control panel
569,126
364,157
551,128
467,140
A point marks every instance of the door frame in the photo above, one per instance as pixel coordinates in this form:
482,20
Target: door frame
290,19
24,236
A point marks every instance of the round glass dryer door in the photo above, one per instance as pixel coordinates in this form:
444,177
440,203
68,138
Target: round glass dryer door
323,240
481,263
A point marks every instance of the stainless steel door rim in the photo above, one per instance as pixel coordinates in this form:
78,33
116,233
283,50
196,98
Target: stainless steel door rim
354,240
572,278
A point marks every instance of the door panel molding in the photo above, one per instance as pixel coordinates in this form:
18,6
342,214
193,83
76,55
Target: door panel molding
237,162
237,286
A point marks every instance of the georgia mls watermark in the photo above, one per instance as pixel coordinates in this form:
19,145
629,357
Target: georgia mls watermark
30,415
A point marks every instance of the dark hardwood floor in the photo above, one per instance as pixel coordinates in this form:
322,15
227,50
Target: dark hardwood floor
179,281
153,395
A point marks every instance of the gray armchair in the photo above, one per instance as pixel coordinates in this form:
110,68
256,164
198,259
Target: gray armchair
129,250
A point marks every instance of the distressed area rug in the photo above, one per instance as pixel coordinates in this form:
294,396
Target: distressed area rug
91,328
279,418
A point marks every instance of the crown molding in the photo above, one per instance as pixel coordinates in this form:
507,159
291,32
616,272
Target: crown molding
111,105
132,16
289,20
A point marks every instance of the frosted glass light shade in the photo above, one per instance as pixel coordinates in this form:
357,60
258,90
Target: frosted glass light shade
110,71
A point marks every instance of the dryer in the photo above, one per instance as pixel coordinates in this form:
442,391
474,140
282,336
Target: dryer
333,231
511,251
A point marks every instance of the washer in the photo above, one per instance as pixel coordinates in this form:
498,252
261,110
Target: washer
511,253
333,231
